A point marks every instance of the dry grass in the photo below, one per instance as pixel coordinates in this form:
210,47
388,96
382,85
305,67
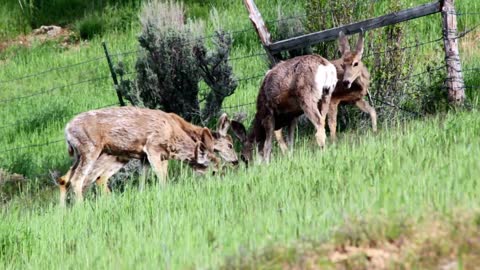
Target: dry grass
435,243
470,45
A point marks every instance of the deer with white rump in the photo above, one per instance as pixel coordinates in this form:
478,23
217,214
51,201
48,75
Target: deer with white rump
351,88
103,141
289,89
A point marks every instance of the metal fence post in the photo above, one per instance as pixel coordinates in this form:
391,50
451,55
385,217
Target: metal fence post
112,72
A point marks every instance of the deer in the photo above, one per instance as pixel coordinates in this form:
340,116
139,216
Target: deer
290,89
103,141
352,87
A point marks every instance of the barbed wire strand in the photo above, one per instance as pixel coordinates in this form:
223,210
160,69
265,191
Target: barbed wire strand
53,69
30,146
42,92
27,120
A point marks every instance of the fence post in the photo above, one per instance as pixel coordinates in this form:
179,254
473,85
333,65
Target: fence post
262,30
455,83
112,72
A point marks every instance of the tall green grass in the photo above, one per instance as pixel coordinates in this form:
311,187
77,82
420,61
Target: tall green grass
414,169
41,118
410,168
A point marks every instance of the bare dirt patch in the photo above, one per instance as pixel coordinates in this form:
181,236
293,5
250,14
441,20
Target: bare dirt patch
442,243
63,36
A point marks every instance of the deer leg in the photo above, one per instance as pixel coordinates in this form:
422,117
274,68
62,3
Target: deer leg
101,165
110,166
366,107
310,107
291,133
63,186
64,181
159,164
281,142
332,119
269,126
87,162
103,179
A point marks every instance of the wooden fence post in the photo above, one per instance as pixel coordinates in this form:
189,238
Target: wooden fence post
112,72
262,30
455,83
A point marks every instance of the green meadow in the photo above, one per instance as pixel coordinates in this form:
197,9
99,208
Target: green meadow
410,170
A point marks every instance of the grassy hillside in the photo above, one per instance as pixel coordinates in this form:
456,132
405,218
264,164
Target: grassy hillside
35,109
410,169
413,170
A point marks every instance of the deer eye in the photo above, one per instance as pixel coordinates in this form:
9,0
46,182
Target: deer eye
230,146
355,64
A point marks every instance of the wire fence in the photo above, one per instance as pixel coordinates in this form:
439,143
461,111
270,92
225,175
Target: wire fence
377,100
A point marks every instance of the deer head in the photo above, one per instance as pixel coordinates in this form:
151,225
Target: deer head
203,153
352,61
223,143
247,145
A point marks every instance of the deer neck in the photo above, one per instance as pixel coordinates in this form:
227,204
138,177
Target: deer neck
182,148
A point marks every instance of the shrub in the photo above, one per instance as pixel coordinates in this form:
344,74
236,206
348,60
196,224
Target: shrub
390,66
63,12
289,27
90,26
216,70
325,14
172,62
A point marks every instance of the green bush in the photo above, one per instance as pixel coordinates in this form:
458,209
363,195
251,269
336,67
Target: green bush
64,12
120,18
174,58
90,26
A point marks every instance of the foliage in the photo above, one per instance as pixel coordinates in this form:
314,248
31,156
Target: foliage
91,26
216,72
326,14
61,12
197,221
173,61
288,27
167,74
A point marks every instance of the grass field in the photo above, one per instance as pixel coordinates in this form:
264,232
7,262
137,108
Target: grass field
415,169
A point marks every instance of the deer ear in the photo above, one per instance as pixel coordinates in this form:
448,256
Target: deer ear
239,131
359,48
343,43
201,154
223,125
207,139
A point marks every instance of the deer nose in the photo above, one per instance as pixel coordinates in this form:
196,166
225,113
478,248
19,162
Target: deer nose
235,163
347,84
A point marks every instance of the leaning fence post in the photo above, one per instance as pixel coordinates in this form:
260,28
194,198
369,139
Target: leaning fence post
112,72
455,83
262,30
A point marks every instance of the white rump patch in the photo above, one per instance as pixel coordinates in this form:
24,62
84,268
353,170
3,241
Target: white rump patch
326,78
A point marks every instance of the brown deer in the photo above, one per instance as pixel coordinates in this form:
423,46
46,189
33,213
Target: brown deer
289,89
352,87
103,141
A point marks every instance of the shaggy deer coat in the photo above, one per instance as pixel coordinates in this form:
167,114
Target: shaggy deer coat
103,141
289,89
351,88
